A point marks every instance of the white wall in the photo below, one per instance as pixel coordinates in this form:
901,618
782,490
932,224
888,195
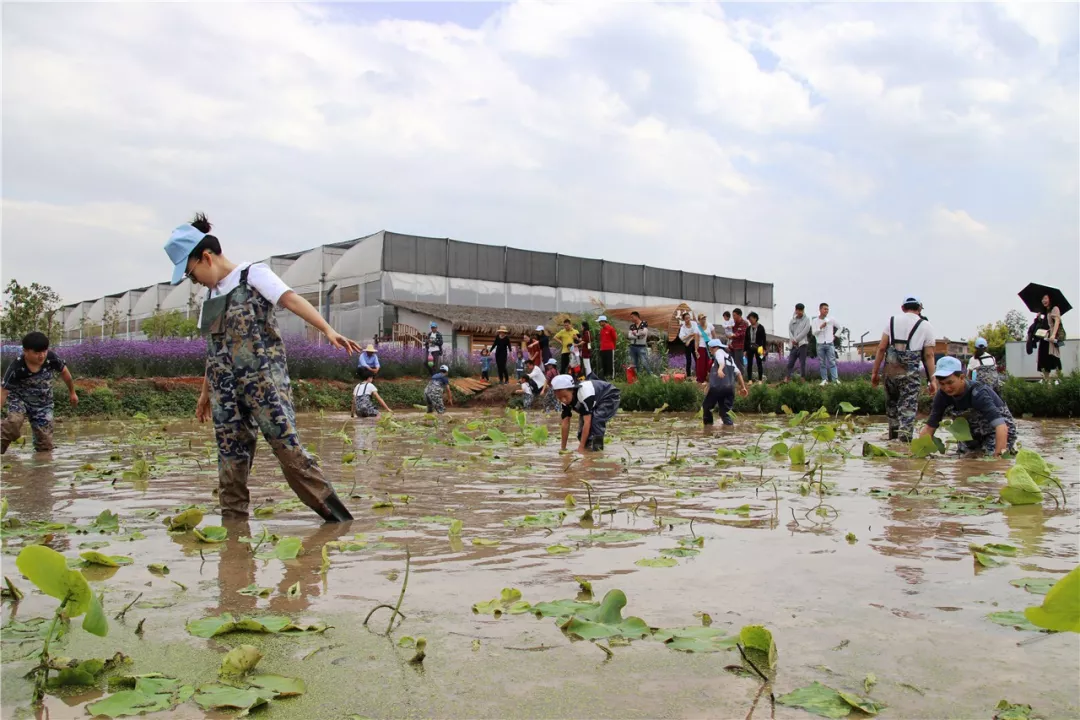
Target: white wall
1019,364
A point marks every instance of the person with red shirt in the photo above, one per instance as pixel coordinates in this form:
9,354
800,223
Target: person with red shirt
737,341
608,338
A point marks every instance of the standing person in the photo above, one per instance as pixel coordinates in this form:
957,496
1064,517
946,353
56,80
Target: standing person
638,338
485,364
365,395
825,329
368,361
608,340
720,392
534,349
982,367
533,383
907,342
688,336
551,370
27,390
1047,329
799,334
585,344
566,338
727,326
595,402
993,429
433,347
501,348
755,348
736,344
704,335
438,394
246,387
545,343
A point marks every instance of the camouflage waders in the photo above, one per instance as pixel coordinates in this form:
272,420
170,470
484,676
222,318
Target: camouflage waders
903,381
41,423
988,375
364,406
983,438
433,395
249,386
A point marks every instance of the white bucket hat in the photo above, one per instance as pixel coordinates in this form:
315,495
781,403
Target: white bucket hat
562,382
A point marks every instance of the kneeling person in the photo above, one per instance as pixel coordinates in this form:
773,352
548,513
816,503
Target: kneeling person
993,429
534,383
595,401
365,395
720,392
27,390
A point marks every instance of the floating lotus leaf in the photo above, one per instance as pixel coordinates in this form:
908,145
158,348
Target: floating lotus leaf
1012,618
657,562
558,549
873,451
1035,586
509,601
130,702
286,548
280,685
93,557
1060,609
485,542
608,536
605,620
743,510
240,660
226,623
824,701
211,534
215,696
696,639
254,590
995,549
187,520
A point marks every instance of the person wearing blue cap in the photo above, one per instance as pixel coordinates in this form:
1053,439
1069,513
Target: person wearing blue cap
433,345
982,367
993,429
720,393
907,342
246,386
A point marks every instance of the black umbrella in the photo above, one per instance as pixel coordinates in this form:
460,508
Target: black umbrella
1032,296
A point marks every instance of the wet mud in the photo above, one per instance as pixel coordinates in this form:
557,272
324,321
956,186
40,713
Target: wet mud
862,566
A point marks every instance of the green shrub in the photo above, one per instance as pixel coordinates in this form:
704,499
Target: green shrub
649,393
1041,400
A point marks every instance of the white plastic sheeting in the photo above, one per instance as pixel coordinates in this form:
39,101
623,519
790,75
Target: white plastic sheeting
363,258
149,301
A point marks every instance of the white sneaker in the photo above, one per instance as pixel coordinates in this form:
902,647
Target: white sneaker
1057,382
824,382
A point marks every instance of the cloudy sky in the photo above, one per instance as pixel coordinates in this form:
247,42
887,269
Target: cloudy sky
853,153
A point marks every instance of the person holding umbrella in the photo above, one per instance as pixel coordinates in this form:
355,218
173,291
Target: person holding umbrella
1049,304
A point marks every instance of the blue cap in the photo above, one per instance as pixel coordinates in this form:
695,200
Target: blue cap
182,241
434,324
981,342
947,366
717,343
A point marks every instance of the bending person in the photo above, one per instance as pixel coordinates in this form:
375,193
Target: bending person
595,402
246,387
993,429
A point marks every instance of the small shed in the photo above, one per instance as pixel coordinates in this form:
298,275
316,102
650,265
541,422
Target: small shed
472,327
661,318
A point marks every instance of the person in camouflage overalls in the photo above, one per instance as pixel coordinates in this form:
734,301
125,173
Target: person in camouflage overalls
437,389
246,389
990,422
906,346
982,367
27,390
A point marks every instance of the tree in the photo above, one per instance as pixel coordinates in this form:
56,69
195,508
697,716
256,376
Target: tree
169,324
1011,329
110,322
1017,324
30,307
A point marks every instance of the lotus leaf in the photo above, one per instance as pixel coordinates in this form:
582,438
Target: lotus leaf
959,429
995,549
509,601
85,673
987,560
211,534
95,545
700,639
240,660
824,433
824,701
743,510
608,536
455,528
280,685
226,623
106,522
497,436
158,568
558,549
1012,618
130,702
1060,609
605,620
254,590
779,450
485,542
155,683
540,434
657,562
760,639
547,519
435,519
95,622
215,696
93,557
679,552
925,446
873,451
1035,586
1005,710
286,548
562,608
1036,467
1020,479
1016,496
797,453
846,407
187,520
461,438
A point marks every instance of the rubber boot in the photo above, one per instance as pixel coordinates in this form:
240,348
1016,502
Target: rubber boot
594,443
333,510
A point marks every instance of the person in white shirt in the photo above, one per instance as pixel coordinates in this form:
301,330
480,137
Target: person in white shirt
727,326
246,388
907,342
534,384
824,328
982,367
365,395
688,336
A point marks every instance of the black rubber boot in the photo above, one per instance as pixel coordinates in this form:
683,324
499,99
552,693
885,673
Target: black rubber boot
594,443
893,434
334,511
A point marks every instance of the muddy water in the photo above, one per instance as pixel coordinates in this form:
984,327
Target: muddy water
904,601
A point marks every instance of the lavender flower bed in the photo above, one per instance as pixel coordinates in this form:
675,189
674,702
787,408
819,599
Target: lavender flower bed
776,368
185,358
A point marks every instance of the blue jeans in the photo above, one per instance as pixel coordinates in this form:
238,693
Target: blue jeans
826,353
638,353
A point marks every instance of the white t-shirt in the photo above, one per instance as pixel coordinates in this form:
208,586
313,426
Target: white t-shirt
827,333
364,388
686,334
538,377
902,325
260,277
986,361
728,326
720,356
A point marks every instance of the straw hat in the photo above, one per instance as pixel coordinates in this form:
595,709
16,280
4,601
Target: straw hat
502,328
370,349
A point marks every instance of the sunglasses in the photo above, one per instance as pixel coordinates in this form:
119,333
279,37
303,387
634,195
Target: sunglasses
189,275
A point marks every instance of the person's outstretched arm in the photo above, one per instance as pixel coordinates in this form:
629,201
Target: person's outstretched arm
304,310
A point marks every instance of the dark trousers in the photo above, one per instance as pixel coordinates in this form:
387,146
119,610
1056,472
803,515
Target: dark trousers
737,356
689,360
436,360
723,400
564,363
797,353
607,364
751,358
500,364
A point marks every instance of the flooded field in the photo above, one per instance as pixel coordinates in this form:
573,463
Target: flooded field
861,568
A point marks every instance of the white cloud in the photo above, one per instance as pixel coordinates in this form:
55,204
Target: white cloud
769,145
